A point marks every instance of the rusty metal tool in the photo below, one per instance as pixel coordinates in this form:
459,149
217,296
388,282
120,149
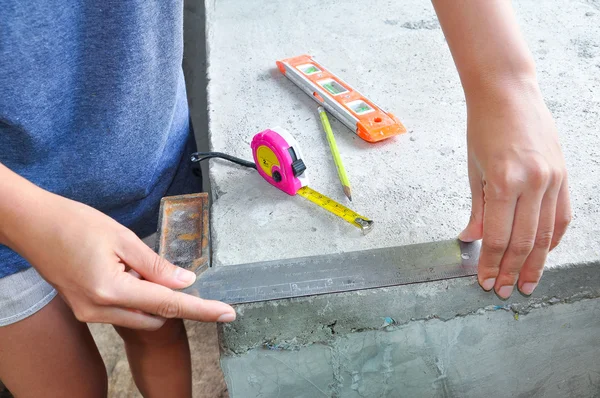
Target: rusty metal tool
183,234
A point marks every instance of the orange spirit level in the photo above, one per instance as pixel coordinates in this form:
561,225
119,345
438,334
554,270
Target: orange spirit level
358,113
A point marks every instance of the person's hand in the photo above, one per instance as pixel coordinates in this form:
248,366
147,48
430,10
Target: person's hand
95,264
520,199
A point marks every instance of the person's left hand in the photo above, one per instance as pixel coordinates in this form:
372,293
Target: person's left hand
521,206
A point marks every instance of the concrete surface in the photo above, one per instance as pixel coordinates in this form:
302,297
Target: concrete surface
543,354
447,338
194,67
300,322
415,187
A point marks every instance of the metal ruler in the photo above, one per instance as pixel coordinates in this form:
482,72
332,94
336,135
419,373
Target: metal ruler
334,273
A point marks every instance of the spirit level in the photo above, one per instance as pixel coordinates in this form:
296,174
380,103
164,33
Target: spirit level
361,115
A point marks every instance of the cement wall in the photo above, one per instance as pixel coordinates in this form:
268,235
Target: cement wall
547,353
446,339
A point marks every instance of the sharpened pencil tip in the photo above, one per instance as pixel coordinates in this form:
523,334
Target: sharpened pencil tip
348,192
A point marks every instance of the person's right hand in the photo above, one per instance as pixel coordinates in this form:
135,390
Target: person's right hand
95,263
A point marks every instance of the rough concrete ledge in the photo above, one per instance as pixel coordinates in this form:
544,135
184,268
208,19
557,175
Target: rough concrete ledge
294,323
550,352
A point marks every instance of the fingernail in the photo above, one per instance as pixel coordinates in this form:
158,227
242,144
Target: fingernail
463,237
185,276
528,288
488,284
229,317
505,291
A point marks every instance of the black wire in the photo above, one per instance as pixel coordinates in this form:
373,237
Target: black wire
200,156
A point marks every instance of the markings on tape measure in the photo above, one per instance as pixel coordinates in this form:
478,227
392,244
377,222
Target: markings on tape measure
310,276
336,208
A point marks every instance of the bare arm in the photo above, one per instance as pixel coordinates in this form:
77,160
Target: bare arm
520,199
87,256
488,49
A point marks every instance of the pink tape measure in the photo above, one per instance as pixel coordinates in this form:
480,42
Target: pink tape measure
278,160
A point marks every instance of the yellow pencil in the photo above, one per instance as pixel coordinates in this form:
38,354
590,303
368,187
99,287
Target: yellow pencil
335,153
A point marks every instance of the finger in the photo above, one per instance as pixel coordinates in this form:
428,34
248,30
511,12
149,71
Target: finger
139,257
534,265
123,317
563,214
497,226
159,300
474,230
527,214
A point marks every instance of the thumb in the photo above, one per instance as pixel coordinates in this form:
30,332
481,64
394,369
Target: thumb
143,260
474,230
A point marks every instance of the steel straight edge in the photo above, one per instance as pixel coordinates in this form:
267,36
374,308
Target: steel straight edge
335,273
184,239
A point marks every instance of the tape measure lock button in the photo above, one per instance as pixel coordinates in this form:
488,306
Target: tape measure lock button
298,167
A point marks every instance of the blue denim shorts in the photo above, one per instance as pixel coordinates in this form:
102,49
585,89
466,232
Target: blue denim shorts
26,292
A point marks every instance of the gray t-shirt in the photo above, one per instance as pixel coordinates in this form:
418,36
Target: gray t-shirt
92,102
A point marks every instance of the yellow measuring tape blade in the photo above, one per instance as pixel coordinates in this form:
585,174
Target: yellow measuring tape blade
338,209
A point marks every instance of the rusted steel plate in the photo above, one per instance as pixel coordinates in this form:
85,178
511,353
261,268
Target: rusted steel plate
183,231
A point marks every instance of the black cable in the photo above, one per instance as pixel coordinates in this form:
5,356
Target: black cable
200,156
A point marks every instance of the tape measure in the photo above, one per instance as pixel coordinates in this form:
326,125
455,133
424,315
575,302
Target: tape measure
278,160
361,115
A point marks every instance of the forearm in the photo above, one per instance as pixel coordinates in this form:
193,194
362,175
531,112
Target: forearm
22,205
488,48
